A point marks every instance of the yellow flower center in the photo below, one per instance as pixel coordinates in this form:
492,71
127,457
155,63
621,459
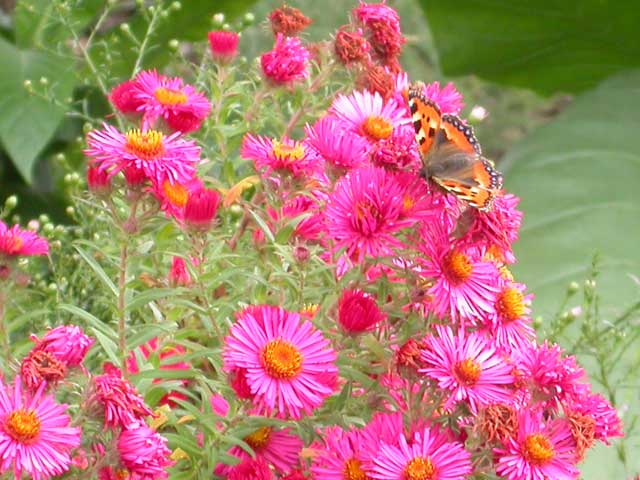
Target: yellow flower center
377,128
457,267
538,449
288,153
259,438
23,426
145,145
13,244
353,471
169,97
281,360
310,310
467,372
419,469
407,203
510,304
176,194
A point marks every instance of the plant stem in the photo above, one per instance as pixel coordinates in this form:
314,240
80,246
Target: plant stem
122,318
145,40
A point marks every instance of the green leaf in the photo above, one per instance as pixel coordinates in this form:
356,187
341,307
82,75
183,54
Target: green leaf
540,45
29,121
95,266
578,180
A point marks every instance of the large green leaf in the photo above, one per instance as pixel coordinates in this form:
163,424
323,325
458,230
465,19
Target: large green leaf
27,122
548,45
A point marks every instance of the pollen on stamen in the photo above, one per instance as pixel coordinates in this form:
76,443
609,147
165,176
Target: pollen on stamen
23,426
510,304
353,470
288,153
169,97
377,128
147,145
420,469
457,267
281,360
467,372
176,193
259,438
538,449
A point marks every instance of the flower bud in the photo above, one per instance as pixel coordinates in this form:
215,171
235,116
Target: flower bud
358,312
98,181
201,209
224,45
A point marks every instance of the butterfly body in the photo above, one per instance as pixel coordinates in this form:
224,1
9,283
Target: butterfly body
452,156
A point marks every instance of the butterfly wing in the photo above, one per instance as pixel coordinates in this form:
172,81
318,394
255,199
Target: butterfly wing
425,116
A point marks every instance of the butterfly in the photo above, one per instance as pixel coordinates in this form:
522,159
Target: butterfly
452,156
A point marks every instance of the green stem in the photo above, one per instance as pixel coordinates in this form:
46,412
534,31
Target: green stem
122,316
154,18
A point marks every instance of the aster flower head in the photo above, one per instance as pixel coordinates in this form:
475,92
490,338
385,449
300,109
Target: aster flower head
510,322
448,99
377,79
341,149
288,21
118,399
467,366
98,181
382,24
539,450
464,286
123,97
181,106
201,209
280,156
67,343
158,156
41,367
429,455
144,453
289,366
15,241
251,469
350,46
339,455
35,436
223,45
364,212
287,63
173,196
358,312
370,116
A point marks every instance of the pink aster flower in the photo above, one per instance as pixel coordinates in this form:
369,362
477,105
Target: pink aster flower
468,367
289,364
15,241
311,226
278,448
448,99
144,453
364,212
370,116
118,399
430,455
397,152
464,286
173,196
123,97
223,45
339,455
35,436
181,106
67,343
179,274
98,181
383,428
286,156
358,312
597,414
539,451
288,62
160,158
201,209
340,148
377,12
251,469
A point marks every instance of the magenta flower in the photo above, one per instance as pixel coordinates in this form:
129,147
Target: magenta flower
173,197
289,365
123,97
606,422
223,45
539,451
464,286
370,116
179,274
430,455
340,148
364,212
15,241
181,106
358,312
286,156
251,469
160,158
201,209
368,13
144,453
468,367
448,99
67,343
510,323
35,436
288,62
339,455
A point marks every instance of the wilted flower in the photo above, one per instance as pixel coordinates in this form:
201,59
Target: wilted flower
350,46
288,21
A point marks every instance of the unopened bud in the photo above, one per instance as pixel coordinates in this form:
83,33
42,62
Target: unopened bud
218,19
11,202
573,288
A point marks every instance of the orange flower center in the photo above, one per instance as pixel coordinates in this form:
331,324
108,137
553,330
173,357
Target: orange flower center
122,474
176,194
23,426
309,310
457,267
407,203
259,438
510,304
353,471
13,244
169,97
538,449
377,128
281,360
419,469
467,372
287,153
145,145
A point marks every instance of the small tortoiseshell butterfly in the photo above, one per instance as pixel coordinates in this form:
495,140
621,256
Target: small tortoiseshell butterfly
451,154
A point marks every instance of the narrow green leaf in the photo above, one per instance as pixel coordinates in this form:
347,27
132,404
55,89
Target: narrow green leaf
95,266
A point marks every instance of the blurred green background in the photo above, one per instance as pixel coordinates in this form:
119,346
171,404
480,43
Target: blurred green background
559,82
